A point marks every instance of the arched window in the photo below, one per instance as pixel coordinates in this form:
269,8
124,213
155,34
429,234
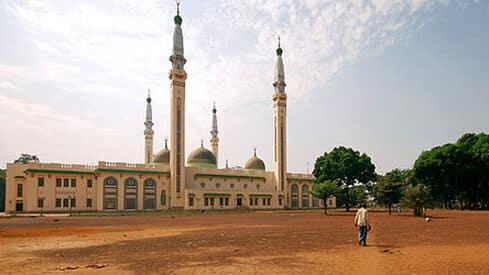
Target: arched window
149,194
305,196
130,194
315,202
294,194
110,193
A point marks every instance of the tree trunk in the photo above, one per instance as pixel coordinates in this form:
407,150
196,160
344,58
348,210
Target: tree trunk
390,208
347,197
325,207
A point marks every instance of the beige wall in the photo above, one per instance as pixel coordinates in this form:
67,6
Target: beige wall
229,183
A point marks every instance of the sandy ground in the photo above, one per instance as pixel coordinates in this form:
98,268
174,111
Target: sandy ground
286,242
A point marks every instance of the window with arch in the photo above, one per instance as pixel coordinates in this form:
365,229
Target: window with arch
218,185
110,193
294,195
305,196
149,194
231,185
257,186
315,202
245,185
202,185
130,194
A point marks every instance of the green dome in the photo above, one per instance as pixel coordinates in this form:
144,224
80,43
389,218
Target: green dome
279,51
163,156
255,163
202,157
178,19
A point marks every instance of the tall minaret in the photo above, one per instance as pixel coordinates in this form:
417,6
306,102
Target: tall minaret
148,132
177,77
214,132
280,124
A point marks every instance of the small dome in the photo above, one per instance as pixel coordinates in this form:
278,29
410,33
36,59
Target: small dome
255,163
163,156
202,157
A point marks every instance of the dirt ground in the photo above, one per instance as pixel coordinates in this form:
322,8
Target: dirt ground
287,242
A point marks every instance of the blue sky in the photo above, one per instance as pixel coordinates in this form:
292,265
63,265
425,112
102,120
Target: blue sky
389,78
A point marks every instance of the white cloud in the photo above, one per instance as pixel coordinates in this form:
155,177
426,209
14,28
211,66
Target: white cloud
29,127
114,48
7,85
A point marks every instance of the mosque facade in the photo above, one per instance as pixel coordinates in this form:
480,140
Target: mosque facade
165,180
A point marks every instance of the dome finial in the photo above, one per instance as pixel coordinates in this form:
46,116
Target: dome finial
202,142
178,19
214,110
148,99
166,142
279,50
254,151
227,164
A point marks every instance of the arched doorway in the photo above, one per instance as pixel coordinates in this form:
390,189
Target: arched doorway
110,193
305,196
130,194
294,196
149,194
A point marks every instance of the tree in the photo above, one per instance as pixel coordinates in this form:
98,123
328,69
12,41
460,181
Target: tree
347,167
26,158
417,197
388,189
356,196
324,190
457,174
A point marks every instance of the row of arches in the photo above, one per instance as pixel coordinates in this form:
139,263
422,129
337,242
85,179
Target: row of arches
302,199
130,192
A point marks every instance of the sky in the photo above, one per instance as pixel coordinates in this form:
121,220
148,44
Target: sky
389,78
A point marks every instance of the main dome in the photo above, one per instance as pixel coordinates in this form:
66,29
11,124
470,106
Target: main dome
255,163
202,157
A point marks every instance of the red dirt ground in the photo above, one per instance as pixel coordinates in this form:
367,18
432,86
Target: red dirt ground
455,242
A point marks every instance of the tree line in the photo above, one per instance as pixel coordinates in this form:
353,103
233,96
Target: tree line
448,176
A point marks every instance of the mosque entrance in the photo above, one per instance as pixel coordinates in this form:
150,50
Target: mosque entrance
19,206
294,194
149,195
130,194
305,196
110,193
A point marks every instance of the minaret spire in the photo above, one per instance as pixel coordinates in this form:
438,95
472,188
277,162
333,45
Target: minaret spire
148,131
214,132
279,80
177,77
177,58
280,123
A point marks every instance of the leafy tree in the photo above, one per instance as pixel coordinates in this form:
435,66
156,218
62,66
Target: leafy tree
457,174
26,158
356,196
324,190
388,189
417,197
347,167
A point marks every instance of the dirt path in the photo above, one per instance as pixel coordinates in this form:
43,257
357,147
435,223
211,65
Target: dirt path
246,243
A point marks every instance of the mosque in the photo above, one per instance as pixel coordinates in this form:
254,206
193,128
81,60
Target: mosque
164,180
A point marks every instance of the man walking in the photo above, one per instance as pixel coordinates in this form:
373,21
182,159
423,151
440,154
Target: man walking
361,221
